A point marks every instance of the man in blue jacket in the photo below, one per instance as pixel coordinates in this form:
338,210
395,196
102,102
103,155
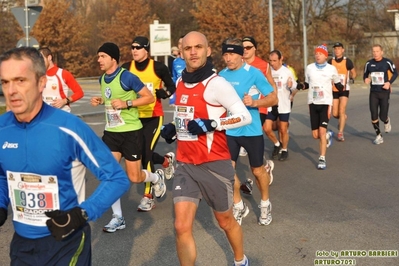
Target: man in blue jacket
43,148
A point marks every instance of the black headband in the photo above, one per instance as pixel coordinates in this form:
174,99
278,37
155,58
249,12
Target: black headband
232,48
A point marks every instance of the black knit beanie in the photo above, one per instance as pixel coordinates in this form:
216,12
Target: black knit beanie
110,49
142,41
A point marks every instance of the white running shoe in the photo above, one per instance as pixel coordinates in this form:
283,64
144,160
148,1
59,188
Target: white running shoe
159,187
117,223
243,152
170,170
265,217
378,140
239,214
147,203
387,126
269,166
329,137
322,163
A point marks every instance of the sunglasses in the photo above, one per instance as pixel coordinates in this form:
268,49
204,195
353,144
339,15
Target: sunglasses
248,47
137,47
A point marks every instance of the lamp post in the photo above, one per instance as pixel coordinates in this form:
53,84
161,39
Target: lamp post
271,33
305,39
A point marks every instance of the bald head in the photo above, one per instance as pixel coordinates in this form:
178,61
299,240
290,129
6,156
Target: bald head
195,50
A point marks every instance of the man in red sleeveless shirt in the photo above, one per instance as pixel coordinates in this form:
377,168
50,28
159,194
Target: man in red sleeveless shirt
204,169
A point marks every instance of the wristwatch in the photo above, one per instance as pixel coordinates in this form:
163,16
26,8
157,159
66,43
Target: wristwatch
214,124
67,101
84,214
129,104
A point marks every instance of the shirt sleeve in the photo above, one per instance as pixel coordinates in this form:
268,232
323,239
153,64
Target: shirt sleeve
73,85
163,73
129,81
216,92
97,157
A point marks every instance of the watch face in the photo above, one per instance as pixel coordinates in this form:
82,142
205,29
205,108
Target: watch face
129,103
214,124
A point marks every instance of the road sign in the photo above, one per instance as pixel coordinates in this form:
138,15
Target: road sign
32,42
160,39
20,14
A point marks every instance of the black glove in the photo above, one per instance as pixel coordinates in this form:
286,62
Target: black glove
168,132
351,81
300,86
339,86
274,110
161,94
63,223
198,126
3,216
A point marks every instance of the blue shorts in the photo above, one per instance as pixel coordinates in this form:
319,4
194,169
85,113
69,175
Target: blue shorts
73,250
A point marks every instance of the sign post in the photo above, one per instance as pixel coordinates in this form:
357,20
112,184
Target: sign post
26,17
160,40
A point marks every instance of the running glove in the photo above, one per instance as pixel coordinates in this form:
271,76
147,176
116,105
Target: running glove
168,132
161,94
274,110
199,126
64,223
3,216
339,86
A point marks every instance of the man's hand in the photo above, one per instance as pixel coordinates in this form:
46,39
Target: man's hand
3,216
387,85
248,100
94,101
199,126
339,86
64,223
274,110
168,132
161,94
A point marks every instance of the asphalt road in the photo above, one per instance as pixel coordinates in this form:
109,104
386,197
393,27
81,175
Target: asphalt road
351,207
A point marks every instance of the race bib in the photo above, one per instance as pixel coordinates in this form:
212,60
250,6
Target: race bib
377,78
318,93
183,114
113,117
31,196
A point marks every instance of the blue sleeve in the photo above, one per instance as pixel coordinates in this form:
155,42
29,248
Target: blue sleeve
129,81
4,199
97,157
174,72
262,84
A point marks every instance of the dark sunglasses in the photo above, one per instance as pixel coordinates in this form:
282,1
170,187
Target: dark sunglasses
248,47
137,47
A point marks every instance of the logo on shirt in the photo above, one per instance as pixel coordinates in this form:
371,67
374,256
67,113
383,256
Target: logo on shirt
184,99
8,145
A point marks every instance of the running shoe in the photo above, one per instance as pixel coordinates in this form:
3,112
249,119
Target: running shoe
170,169
243,152
378,140
239,214
329,137
276,152
340,136
159,187
322,163
269,166
246,262
147,203
387,126
265,217
283,156
246,187
117,223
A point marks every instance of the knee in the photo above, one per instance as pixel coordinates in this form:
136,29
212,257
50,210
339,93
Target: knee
182,227
227,223
257,172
